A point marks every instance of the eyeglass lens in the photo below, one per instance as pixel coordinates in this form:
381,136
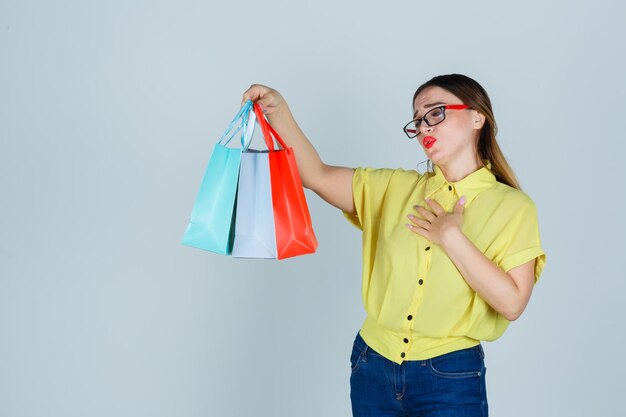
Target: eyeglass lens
431,118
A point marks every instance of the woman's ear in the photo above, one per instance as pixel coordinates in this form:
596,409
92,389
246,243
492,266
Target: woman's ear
478,119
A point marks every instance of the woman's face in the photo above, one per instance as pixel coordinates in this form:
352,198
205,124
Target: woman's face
453,139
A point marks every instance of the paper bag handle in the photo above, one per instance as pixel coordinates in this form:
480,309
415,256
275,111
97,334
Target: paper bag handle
243,115
267,129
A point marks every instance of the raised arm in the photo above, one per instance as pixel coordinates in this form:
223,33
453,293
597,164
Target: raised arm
332,183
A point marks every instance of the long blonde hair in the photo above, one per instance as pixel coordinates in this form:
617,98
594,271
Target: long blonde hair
475,96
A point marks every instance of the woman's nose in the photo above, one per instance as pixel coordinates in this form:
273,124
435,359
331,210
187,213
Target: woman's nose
424,128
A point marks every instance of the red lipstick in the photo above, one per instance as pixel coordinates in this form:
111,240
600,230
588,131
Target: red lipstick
429,141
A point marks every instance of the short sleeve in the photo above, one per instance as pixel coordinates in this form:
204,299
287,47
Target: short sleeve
521,241
369,187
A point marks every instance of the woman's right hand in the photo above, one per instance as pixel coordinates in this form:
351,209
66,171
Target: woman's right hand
269,99
332,183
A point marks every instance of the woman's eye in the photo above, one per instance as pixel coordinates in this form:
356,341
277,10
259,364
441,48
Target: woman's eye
436,113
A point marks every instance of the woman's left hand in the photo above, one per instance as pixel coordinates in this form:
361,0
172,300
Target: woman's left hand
436,224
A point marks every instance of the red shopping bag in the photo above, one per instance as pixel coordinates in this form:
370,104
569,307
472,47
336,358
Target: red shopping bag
292,221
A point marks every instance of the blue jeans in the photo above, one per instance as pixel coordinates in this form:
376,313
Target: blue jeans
448,385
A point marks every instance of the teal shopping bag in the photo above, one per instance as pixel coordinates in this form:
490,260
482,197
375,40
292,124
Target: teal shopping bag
211,226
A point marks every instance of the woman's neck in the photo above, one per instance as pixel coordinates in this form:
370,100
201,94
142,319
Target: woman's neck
458,171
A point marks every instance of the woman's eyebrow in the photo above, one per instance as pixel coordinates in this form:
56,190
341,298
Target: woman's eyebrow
439,103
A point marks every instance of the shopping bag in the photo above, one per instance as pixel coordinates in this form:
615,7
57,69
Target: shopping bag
212,220
254,230
292,221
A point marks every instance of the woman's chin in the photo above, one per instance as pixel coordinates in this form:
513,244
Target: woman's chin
433,154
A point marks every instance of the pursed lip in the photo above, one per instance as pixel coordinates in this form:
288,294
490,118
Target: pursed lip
429,141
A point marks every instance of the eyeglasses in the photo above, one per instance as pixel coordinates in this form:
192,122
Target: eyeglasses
432,117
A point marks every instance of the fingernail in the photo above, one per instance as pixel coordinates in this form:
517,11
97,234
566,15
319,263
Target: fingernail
462,200
416,207
409,226
410,216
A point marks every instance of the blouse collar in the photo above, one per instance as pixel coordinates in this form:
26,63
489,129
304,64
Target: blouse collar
470,186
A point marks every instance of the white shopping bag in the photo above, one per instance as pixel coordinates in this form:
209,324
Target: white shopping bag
255,236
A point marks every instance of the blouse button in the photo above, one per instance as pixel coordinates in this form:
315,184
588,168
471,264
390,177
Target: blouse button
409,317
427,248
402,355
450,187
406,340
420,282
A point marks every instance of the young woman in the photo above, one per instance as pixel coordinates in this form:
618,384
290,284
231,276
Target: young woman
450,257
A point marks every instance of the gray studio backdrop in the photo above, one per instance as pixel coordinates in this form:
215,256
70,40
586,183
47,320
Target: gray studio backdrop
108,114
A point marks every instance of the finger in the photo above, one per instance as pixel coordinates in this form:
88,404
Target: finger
249,94
435,206
418,230
266,102
419,222
258,102
459,207
425,213
254,92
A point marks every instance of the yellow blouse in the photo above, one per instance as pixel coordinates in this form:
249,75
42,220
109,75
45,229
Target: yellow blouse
416,300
